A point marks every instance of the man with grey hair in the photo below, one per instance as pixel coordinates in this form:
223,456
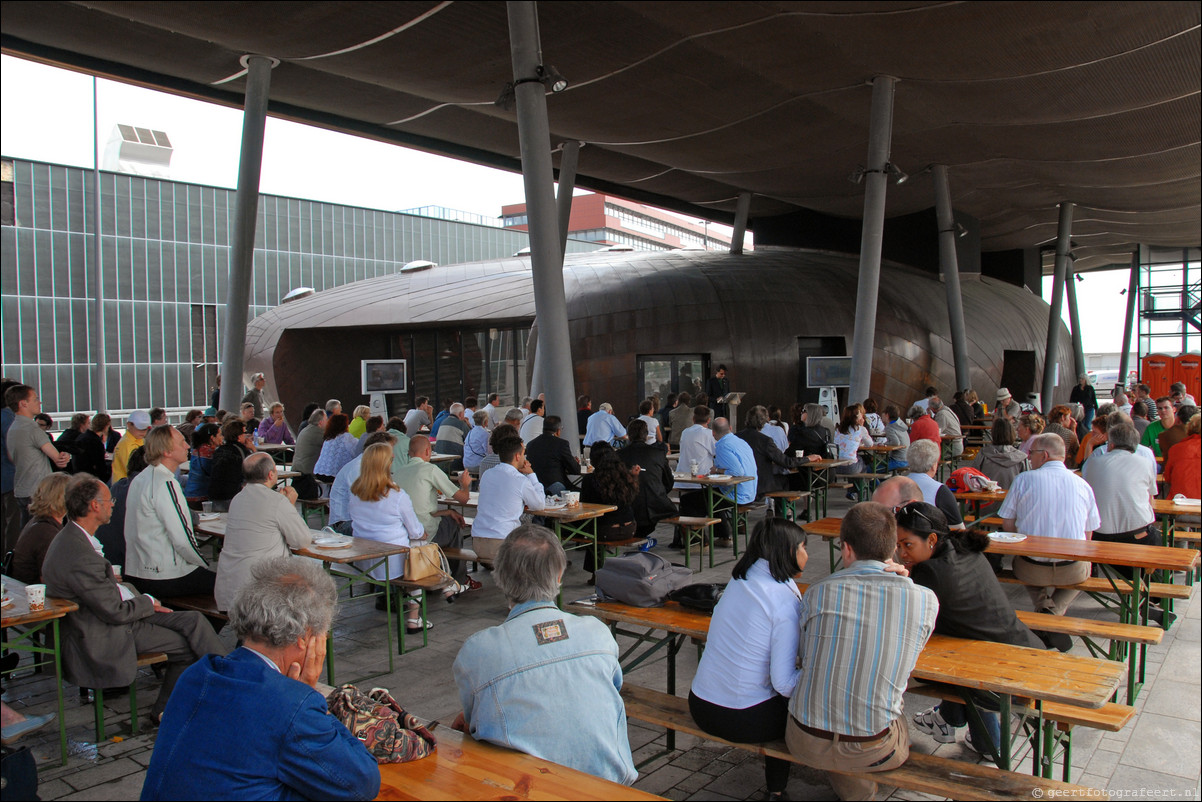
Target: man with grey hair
262,524
333,407
949,424
923,459
545,682
254,395
1051,501
452,432
603,426
288,745
1124,484
475,444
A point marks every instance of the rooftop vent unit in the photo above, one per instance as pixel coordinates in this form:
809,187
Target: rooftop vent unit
138,150
522,251
297,294
622,248
417,266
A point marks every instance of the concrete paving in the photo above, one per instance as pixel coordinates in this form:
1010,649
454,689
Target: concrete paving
1157,755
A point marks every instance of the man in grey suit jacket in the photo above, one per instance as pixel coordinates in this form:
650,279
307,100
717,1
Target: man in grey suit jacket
102,639
262,523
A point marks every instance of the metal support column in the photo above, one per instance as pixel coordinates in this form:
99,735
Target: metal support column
246,210
100,357
546,256
1128,321
1063,235
741,212
950,267
567,185
880,136
563,202
1070,289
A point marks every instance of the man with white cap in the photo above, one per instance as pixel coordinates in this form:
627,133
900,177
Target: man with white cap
255,394
136,427
1006,406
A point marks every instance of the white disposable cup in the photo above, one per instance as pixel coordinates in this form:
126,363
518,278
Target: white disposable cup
206,506
799,454
36,594
117,573
694,466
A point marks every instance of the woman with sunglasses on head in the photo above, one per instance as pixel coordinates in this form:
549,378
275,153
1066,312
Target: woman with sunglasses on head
971,605
749,668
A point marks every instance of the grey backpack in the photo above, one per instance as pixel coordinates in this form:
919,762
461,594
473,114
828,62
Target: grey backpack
640,578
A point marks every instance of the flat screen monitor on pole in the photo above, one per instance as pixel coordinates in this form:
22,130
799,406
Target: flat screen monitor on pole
828,371
384,376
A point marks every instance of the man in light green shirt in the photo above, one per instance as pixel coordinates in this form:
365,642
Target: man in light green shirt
1168,416
424,483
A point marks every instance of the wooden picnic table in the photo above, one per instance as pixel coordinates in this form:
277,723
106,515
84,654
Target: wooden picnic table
978,499
464,768
878,456
16,614
371,553
716,501
577,522
818,481
1000,668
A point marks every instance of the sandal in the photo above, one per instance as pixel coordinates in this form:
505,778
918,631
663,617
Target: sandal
413,626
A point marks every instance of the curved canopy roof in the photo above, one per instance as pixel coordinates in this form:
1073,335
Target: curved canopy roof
686,105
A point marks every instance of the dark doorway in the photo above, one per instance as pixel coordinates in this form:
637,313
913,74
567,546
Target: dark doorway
661,374
1018,374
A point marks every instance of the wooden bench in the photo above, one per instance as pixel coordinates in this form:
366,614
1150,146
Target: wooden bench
1058,722
144,660
696,529
467,556
863,482
319,505
1097,585
1190,537
206,605
784,502
953,779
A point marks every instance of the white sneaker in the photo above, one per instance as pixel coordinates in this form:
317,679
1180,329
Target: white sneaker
932,723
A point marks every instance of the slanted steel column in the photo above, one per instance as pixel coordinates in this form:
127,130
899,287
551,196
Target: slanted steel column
563,202
1132,292
880,136
567,185
1063,234
1074,320
246,210
950,267
546,255
100,356
741,212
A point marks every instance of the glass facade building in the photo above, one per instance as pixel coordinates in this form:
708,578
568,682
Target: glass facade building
165,252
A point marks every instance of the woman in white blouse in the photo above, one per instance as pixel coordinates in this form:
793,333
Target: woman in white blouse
749,668
381,511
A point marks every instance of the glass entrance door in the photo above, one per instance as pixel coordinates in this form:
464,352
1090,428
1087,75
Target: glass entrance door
662,374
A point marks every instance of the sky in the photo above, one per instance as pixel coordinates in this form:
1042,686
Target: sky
48,116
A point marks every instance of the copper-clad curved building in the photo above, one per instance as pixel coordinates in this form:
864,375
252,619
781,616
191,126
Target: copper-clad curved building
650,321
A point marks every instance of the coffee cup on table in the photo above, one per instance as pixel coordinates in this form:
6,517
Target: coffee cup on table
36,595
117,573
799,454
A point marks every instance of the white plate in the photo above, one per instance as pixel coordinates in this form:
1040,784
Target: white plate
209,516
1188,502
555,505
1007,537
332,542
6,601
718,477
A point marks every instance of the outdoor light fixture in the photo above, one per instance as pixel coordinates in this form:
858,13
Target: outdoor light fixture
857,175
899,177
545,75
961,231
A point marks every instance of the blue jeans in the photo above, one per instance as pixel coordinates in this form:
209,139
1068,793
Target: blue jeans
956,715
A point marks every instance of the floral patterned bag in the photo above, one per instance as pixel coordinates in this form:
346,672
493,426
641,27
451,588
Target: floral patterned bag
390,734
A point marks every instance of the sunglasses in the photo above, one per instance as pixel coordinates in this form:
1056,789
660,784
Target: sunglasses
909,517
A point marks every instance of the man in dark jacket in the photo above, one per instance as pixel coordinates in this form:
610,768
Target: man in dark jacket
551,457
766,452
655,478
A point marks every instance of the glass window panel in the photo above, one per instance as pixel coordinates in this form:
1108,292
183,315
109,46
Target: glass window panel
81,321
126,329
39,199
137,208
121,206
10,310
43,262
58,197
167,212
208,221
112,332
156,331
129,388
195,271
77,265
165,258
81,376
450,374
153,205
195,213
8,260
45,331
64,381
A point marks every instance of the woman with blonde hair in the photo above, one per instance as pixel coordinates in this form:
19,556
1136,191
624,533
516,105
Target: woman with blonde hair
358,425
381,511
47,514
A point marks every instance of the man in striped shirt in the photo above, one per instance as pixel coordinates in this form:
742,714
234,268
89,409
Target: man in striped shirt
862,630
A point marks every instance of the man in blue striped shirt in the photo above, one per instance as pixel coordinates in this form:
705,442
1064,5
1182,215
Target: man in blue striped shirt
862,630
